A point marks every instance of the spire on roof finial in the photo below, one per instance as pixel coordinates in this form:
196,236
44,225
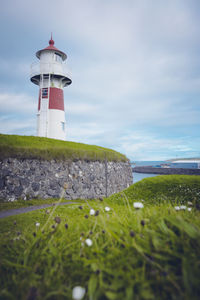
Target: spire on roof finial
51,42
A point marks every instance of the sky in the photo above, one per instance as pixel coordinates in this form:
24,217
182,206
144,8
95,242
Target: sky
135,68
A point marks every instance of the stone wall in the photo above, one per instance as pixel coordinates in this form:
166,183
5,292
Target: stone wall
28,178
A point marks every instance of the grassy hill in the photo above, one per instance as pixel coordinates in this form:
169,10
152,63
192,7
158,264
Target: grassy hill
44,148
147,253
169,189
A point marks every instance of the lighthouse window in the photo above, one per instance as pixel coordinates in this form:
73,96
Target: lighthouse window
45,93
58,57
63,126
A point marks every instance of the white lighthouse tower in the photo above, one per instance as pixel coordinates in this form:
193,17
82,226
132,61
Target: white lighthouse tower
51,75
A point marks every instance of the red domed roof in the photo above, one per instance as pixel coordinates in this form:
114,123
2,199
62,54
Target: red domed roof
51,47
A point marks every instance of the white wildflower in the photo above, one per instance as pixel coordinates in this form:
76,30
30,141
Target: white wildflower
92,212
189,208
107,208
177,208
78,293
190,203
182,207
11,199
37,224
138,205
88,242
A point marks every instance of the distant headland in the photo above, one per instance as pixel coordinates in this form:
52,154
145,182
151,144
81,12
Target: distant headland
182,166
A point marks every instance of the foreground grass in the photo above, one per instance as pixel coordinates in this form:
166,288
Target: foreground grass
150,253
28,203
164,188
44,148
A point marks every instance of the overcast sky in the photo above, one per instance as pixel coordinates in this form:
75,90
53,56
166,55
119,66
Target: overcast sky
135,72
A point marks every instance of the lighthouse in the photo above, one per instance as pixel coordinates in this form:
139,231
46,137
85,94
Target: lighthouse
51,75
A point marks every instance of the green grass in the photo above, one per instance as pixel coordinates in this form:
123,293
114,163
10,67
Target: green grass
17,146
150,253
155,190
27,203
166,189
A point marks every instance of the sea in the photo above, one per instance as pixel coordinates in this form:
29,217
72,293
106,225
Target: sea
139,176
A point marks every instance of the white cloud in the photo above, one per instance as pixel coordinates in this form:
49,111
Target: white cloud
17,113
17,68
86,132
145,146
82,109
13,125
135,65
17,103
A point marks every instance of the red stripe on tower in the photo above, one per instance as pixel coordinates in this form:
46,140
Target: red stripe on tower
56,99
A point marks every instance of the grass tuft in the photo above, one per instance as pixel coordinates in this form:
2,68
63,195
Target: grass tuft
173,189
30,147
146,253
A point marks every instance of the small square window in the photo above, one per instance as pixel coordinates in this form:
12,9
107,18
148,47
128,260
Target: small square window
58,57
45,93
63,126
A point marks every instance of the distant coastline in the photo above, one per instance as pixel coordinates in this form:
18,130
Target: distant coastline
165,171
181,166
184,160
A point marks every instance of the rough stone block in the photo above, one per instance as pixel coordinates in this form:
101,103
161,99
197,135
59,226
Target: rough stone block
35,178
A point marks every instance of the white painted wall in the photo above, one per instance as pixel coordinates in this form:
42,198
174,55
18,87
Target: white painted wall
54,82
56,124
47,56
49,63
43,118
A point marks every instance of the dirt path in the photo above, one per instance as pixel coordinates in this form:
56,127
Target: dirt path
17,211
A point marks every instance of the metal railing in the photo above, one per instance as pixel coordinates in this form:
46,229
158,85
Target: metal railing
50,68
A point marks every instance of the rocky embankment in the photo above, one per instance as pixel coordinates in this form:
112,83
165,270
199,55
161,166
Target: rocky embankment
165,171
34,178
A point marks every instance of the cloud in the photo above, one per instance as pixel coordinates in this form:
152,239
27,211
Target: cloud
135,67
17,114
16,68
85,132
13,125
147,146
17,103
82,109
